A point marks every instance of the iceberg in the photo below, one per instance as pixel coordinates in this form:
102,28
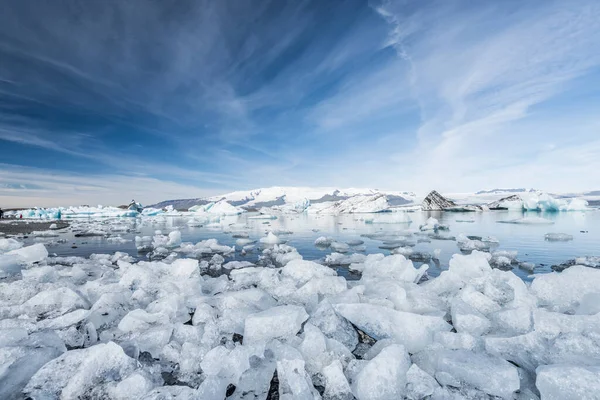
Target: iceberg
528,221
222,208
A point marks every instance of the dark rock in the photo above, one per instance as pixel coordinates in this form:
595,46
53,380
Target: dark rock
436,202
230,390
273,393
497,205
237,338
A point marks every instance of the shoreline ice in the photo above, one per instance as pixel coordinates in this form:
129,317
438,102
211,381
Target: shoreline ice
106,326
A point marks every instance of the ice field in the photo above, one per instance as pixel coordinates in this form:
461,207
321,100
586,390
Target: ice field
414,305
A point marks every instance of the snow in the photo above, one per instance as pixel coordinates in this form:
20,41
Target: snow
217,208
353,205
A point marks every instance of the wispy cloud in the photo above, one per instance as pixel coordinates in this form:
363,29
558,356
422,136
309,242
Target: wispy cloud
400,95
27,187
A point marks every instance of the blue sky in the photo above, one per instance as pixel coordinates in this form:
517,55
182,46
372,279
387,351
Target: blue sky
104,101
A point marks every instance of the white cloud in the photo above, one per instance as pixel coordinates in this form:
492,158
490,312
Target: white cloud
44,188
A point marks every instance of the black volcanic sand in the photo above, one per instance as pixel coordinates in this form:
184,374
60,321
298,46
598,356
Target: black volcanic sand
17,227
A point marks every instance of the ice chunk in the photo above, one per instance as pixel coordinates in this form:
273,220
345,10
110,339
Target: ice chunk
528,221
430,225
558,237
340,247
140,320
563,291
185,268
384,377
466,318
9,244
419,384
54,302
174,239
137,383
10,265
301,271
589,304
489,374
413,330
270,239
294,382
568,382
274,323
81,373
238,264
333,326
21,357
263,216
336,384
31,254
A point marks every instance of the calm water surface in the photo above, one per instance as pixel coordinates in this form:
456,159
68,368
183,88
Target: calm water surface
528,240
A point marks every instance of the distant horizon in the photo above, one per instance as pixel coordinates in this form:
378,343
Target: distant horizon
17,204
101,102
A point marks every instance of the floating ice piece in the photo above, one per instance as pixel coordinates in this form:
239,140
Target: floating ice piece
430,225
270,239
339,247
44,234
568,382
275,323
466,244
343,259
30,254
576,205
174,239
390,218
263,216
323,241
354,243
383,377
528,221
558,237
413,330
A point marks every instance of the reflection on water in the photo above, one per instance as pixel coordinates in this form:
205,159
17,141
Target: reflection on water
528,240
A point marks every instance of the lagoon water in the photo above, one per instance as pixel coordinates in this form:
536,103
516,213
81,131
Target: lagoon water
303,229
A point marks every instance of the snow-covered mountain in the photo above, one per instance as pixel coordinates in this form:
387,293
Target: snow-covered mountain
280,195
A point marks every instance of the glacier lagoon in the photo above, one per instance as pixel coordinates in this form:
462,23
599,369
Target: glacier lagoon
379,232
126,304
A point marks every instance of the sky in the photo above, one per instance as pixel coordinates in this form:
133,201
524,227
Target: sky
104,101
